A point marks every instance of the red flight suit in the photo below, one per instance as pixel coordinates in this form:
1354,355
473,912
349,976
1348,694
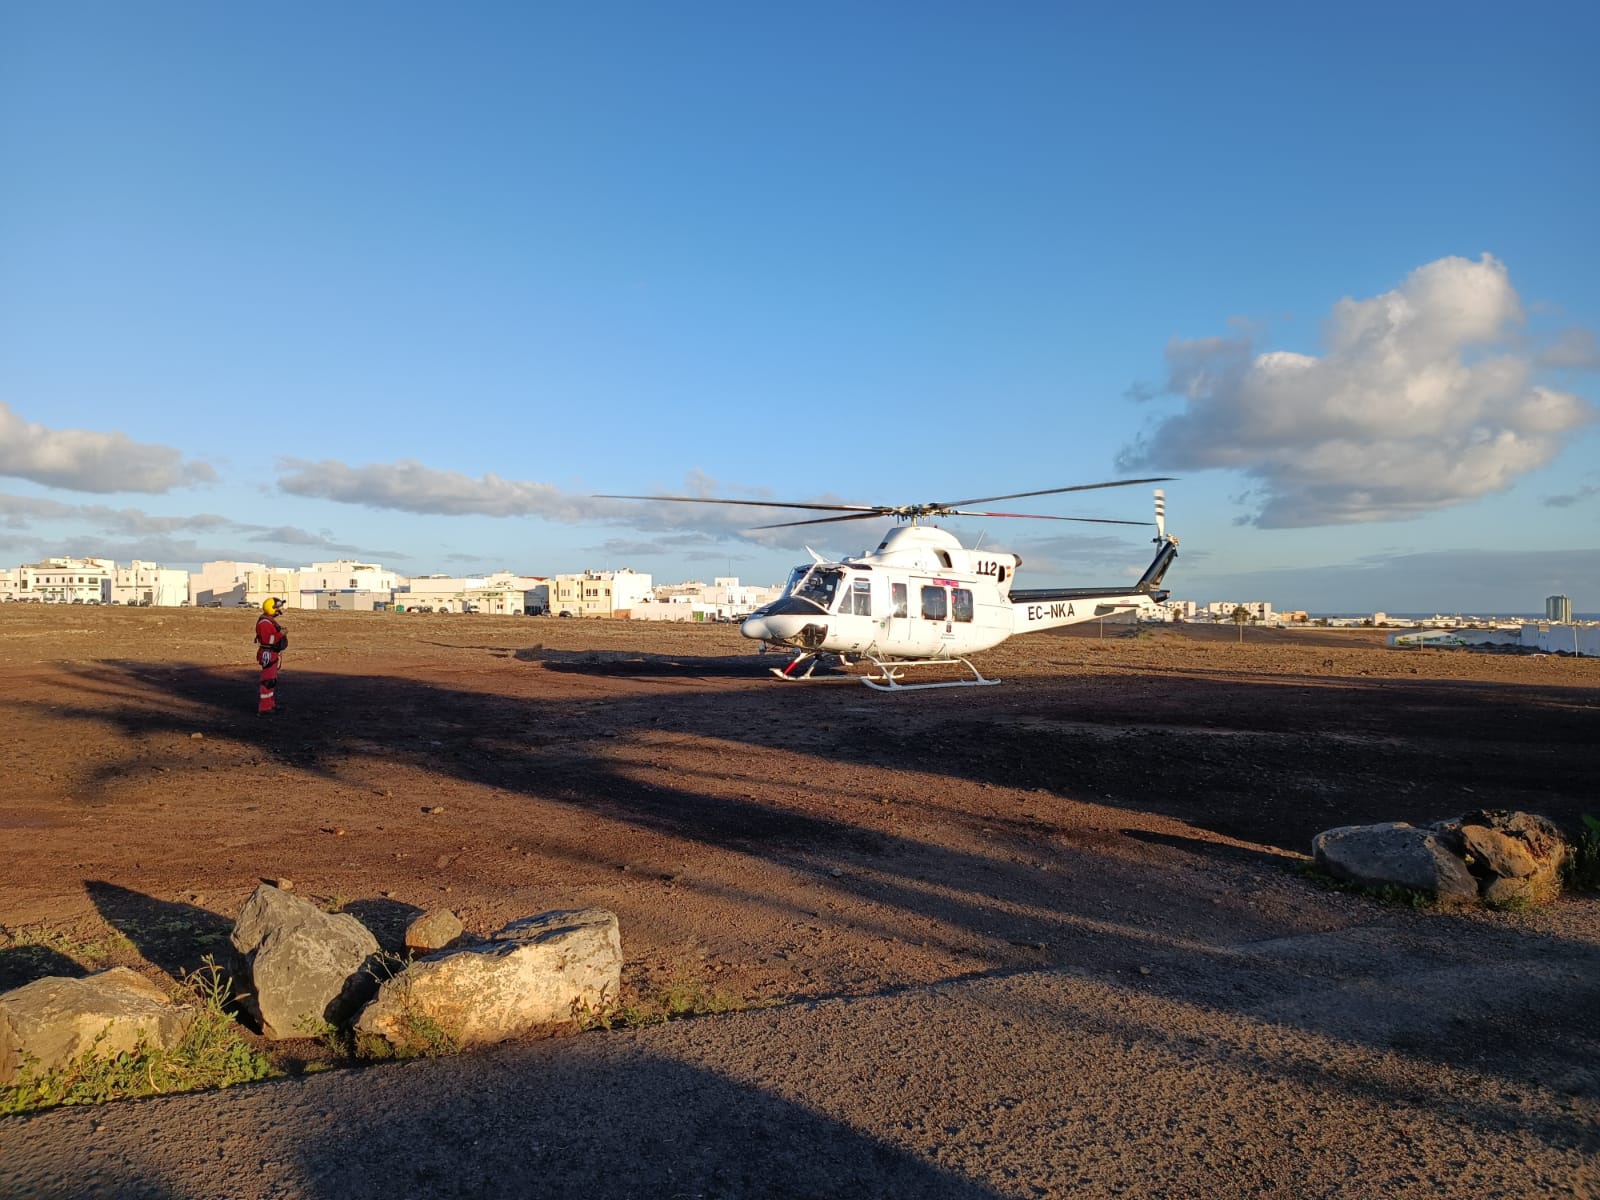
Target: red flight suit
270,642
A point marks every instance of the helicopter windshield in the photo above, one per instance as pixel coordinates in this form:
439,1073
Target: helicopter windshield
819,586
796,577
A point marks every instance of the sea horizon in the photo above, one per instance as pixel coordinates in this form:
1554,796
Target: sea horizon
1457,615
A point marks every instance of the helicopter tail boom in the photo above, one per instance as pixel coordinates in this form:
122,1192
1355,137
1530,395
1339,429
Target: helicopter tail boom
1050,608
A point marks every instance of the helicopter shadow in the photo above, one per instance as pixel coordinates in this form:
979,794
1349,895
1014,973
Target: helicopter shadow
634,663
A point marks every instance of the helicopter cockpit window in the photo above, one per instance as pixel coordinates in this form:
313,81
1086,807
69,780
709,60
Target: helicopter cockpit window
820,587
795,576
859,601
961,604
897,599
934,607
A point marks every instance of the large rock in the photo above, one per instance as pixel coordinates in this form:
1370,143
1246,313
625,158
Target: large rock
307,968
1395,854
535,975
1516,856
57,1020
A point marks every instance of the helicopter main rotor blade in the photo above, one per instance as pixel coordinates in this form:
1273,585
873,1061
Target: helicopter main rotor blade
962,512
1082,487
864,516
861,508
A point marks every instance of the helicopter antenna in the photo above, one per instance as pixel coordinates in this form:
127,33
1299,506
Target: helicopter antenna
981,536
1161,514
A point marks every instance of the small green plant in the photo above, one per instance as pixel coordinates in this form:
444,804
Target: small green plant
86,952
335,1041
685,997
682,996
414,1034
213,1053
1515,903
1384,893
1401,897
1582,868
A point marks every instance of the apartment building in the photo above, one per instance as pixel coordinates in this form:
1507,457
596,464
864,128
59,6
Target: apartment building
600,593
67,580
221,582
143,583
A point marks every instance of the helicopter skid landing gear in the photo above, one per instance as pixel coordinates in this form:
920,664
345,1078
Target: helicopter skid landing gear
792,672
890,673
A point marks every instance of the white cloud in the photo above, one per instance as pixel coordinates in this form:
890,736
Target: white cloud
152,537
1418,403
81,460
409,486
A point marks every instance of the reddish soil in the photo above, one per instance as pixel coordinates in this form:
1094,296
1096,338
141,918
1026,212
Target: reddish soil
1101,862
770,841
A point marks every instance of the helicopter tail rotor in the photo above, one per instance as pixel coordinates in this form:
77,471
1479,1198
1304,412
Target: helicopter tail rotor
1161,514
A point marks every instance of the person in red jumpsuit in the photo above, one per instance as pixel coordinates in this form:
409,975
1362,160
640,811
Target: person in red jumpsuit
270,643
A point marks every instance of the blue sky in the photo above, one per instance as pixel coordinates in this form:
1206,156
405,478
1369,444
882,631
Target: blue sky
413,283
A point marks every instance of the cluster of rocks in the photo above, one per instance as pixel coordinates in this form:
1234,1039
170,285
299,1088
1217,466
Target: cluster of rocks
303,972
1503,859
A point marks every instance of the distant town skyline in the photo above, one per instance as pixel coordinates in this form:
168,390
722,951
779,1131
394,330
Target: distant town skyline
1542,610
420,290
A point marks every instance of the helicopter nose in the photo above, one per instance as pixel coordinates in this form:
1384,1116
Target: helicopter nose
755,628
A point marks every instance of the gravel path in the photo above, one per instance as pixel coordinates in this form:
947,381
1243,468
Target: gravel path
1320,1066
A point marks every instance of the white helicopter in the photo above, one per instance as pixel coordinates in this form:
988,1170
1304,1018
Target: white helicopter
921,599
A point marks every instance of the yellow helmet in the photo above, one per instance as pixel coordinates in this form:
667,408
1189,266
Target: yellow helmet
272,606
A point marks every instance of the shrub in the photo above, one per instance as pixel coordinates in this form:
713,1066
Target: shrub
213,1053
1582,868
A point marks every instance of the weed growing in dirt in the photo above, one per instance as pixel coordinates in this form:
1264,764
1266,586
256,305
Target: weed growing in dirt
86,952
680,997
212,1054
1392,894
415,1035
1582,868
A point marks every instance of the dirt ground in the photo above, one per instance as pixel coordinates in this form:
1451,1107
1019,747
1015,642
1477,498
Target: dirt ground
1124,793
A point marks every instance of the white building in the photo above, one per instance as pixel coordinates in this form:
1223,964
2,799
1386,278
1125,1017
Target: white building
145,583
506,594
282,582
500,594
347,576
220,583
1223,610
601,593
67,580
345,584
442,593
1557,638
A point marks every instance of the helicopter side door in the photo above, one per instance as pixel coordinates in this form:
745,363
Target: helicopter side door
897,626
854,631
